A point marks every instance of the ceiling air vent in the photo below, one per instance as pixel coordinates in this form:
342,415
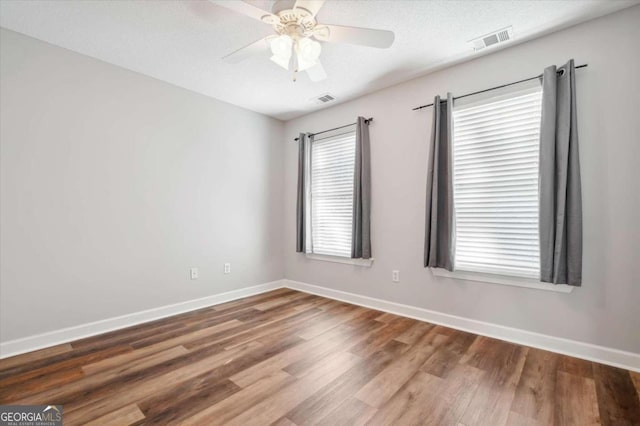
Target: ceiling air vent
323,99
493,38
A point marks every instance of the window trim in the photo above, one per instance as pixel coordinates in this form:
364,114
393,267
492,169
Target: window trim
365,263
502,280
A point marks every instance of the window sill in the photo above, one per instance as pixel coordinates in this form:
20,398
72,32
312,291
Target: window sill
337,259
504,280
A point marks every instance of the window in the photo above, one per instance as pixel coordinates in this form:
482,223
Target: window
495,176
330,192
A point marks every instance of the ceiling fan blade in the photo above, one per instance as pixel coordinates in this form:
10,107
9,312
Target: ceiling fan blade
354,35
316,72
247,10
312,6
255,48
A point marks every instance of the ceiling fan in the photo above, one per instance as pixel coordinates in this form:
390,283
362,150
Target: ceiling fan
295,45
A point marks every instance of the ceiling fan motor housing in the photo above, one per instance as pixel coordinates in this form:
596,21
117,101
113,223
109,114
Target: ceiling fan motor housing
295,23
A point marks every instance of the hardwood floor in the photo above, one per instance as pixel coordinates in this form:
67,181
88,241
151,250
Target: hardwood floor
290,358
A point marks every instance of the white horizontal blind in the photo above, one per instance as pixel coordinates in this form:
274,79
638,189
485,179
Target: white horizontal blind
495,161
332,169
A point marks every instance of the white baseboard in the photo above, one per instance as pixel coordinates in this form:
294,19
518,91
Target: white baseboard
52,338
596,353
601,354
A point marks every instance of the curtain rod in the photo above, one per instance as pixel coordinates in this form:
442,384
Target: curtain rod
493,88
368,120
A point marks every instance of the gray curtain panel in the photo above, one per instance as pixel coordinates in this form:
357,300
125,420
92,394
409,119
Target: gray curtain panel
300,205
438,240
361,232
560,187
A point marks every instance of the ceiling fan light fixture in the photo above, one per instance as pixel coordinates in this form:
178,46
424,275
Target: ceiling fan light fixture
284,63
281,47
307,51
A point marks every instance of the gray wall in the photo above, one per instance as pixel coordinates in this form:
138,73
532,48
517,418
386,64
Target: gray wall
113,184
605,310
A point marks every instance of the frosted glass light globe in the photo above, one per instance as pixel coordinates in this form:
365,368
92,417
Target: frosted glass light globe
281,47
309,50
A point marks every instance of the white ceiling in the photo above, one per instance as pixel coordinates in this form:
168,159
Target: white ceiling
181,42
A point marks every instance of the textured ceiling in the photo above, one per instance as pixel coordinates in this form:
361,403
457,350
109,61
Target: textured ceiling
181,42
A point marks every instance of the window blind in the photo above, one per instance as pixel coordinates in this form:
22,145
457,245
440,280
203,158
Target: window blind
332,169
495,162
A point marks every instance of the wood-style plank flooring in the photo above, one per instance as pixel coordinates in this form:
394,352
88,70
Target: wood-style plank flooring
290,358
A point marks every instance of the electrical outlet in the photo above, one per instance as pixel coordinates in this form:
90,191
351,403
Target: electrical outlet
395,276
194,273
227,268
